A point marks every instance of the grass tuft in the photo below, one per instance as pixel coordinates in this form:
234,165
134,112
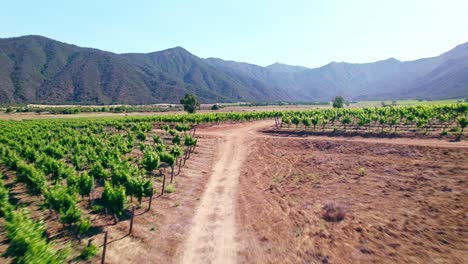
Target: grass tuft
333,212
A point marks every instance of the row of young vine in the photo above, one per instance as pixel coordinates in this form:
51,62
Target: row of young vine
63,162
384,119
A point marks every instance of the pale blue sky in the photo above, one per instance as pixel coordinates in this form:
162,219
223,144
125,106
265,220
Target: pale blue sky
298,32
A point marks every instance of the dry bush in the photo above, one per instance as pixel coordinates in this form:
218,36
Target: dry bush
333,212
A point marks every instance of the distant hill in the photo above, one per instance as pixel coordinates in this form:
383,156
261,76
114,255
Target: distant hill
35,69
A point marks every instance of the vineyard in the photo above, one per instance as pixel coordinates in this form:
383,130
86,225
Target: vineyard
80,168
441,119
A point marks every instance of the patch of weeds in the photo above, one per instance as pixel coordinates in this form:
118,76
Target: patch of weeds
333,212
296,179
362,171
170,188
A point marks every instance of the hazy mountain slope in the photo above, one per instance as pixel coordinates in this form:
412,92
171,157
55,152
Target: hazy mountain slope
385,79
449,80
38,69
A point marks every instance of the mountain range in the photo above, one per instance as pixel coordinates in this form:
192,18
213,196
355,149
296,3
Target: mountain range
36,69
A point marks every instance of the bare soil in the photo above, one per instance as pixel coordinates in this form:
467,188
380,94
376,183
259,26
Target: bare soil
404,201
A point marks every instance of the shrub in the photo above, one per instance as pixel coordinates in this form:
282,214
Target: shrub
114,198
333,212
141,136
85,184
462,122
70,216
83,226
89,252
150,160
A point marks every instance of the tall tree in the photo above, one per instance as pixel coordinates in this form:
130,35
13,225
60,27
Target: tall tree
190,103
338,102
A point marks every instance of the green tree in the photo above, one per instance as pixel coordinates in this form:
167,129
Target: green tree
338,102
190,103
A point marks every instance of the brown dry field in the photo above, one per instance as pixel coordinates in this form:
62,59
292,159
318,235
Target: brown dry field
248,196
410,206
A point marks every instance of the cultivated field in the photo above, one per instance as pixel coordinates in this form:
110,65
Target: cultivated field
371,185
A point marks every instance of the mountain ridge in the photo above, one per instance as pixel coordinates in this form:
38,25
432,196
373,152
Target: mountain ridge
36,69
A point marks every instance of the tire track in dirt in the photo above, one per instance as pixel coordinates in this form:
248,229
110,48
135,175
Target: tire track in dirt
212,236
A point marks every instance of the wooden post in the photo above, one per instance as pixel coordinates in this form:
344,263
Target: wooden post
104,249
90,241
131,220
163,184
151,199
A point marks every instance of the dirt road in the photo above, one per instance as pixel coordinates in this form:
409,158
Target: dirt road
212,237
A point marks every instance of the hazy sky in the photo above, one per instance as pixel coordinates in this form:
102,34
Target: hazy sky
298,32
